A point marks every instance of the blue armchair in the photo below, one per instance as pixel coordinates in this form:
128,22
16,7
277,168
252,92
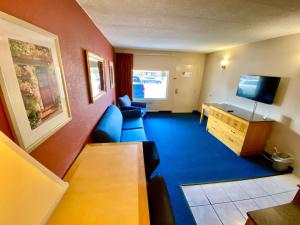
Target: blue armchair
126,104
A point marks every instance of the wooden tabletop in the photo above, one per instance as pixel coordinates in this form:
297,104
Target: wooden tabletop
288,214
107,187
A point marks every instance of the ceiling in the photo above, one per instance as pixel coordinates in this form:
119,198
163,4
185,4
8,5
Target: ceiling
192,25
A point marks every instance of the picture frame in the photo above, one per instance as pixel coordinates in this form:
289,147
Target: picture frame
111,74
96,76
32,81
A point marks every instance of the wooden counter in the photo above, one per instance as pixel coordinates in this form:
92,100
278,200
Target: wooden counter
288,214
107,186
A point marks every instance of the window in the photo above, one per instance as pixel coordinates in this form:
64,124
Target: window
150,84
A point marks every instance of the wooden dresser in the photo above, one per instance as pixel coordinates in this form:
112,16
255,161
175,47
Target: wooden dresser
238,129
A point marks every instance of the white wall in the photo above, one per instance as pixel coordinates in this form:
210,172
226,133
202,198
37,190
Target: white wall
159,60
279,57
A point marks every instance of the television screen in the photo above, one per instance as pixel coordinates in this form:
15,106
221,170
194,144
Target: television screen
258,88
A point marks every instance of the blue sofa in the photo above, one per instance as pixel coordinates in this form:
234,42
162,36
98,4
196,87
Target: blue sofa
127,126
117,126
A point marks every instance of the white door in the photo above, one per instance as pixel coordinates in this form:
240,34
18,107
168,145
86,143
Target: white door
184,95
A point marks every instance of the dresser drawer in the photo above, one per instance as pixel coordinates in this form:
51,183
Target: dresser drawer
238,125
232,142
214,113
232,139
234,132
235,148
213,120
214,129
226,128
229,120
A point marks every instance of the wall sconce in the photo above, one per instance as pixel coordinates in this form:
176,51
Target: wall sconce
224,63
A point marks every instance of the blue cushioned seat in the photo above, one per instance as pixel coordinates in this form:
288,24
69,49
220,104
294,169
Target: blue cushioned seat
124,101
126,104
127,126
133,135
133,123
117,126
109,128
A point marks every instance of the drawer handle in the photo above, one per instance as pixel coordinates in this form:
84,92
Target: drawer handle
230,139
233,131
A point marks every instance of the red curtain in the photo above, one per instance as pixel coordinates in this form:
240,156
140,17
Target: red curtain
124,70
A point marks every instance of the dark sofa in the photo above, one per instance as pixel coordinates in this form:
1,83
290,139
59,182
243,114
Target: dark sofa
117,126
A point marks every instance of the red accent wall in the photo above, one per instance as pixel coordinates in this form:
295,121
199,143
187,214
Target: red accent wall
76,33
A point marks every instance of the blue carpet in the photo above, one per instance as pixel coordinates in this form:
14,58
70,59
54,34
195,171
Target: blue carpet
190,155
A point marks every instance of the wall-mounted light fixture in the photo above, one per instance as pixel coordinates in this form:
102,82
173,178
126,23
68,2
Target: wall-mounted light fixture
224,63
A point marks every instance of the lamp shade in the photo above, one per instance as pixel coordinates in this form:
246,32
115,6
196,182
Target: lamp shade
224,62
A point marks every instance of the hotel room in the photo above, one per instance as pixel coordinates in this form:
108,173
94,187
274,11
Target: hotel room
149,112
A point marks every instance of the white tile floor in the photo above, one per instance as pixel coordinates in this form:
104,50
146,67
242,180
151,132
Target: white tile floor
227,203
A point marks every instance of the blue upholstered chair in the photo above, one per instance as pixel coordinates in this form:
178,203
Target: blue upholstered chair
126,104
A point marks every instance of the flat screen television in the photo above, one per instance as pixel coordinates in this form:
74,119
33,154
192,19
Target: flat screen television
258,88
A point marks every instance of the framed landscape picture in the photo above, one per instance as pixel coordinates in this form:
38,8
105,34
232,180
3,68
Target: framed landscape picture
32,81
96,74
111,74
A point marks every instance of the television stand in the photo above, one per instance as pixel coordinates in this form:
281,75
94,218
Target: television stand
242,131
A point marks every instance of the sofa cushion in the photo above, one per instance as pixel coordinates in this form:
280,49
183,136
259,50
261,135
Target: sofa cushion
133,113
124,101
109,128
133,135
133,123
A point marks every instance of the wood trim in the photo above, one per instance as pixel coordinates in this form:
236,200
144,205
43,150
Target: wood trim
144,217
250,222
296,199
96,57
